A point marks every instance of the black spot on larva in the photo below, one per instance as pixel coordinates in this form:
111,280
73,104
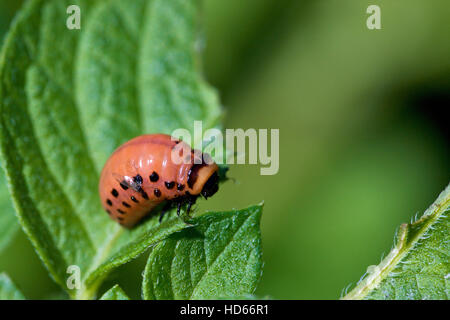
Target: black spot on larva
120,218
144,195
120,211
114,192
134,199
157,192
107,211
124,186
138,179
126,204
180,187
154,177
109,202
169,185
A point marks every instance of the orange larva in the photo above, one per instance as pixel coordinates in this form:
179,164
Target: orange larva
140,175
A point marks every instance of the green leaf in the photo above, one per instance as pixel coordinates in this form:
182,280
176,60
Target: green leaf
8,221
115,293
418,267
68,98
8,291
219,256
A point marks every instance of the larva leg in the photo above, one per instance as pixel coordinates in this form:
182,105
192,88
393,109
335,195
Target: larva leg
166,208
191,201
178,208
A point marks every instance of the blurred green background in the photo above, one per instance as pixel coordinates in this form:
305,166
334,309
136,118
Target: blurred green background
364,137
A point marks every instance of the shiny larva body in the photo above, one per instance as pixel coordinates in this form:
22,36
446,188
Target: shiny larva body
140,175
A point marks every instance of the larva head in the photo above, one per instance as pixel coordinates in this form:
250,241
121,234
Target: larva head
211,186
203,179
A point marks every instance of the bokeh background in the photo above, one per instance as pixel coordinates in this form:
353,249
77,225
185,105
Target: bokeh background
364,134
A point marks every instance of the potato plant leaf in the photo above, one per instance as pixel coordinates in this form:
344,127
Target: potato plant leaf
8,291
115,293
68,98
8,221
418,267
219,256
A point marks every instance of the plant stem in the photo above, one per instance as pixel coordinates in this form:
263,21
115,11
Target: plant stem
403,246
